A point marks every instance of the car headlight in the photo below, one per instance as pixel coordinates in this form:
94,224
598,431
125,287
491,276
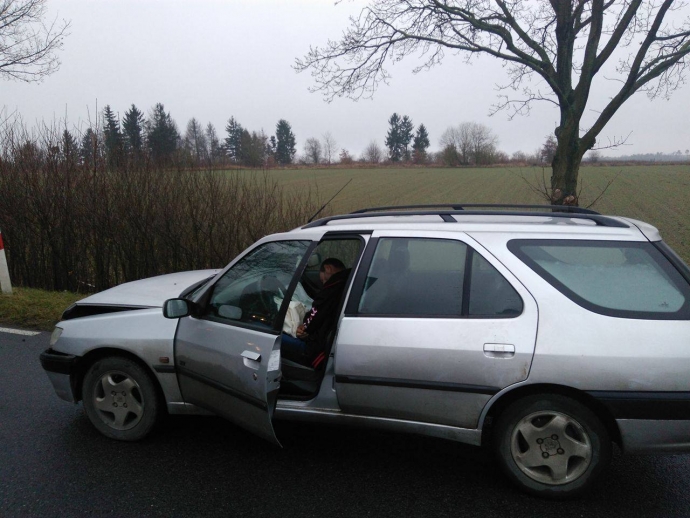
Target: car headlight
55,336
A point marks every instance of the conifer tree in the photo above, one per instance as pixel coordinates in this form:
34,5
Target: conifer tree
69,148
89,148
393,138
233,142
421,143
112,137
162,136
133,131
406,135
285,143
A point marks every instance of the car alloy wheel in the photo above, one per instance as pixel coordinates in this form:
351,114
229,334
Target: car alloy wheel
551,445
120,398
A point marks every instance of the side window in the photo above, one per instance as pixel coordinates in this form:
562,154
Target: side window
253,290
491,295
624,279
415,277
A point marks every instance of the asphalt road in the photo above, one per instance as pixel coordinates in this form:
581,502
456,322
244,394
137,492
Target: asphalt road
54,463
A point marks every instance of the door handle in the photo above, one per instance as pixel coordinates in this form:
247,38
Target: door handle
499,350
251,355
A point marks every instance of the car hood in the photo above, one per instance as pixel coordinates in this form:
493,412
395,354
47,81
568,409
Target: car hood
151,292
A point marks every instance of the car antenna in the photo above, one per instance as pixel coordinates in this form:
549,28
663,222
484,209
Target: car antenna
329,201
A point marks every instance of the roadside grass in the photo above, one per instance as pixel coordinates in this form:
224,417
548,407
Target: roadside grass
29,308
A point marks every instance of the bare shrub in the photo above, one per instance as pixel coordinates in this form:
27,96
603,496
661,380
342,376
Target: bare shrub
373,153
75,224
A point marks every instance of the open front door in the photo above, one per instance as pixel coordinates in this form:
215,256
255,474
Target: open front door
228,356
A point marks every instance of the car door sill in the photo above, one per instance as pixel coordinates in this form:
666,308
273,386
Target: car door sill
465,435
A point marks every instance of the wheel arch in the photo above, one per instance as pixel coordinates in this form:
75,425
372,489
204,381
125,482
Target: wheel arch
506,399
86,361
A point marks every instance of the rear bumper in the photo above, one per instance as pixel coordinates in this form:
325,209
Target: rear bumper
59,367
650,421
655,436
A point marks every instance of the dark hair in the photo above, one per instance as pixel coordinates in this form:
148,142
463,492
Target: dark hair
332,261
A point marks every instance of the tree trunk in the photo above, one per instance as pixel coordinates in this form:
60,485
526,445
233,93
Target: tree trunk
565,166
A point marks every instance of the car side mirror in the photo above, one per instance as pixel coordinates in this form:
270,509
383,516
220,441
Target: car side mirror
176,308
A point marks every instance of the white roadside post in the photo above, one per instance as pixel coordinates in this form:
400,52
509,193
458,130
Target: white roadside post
5,284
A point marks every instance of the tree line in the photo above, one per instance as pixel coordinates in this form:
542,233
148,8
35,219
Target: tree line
136,138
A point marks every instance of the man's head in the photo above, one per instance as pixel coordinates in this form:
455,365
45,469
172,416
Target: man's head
329,267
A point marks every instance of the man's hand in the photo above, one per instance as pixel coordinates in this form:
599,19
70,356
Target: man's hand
301,333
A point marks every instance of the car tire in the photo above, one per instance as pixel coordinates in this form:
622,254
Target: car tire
120,398
551,445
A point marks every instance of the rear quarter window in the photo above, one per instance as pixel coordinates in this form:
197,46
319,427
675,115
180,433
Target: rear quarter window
614,278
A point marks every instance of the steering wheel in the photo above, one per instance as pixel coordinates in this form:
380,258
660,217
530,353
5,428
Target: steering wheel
271,287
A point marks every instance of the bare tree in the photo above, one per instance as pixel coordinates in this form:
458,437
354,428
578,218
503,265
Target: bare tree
565,44
450,141
215,151
548,150
195,141
330,147
594,157
312,150
519,157
28,44
345,157
483,144
473,143
373,153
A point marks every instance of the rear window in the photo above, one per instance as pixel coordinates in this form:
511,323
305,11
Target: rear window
622,279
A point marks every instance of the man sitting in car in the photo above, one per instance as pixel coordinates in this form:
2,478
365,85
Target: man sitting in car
309,347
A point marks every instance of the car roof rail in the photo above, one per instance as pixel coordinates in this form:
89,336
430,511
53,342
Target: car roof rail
461,209
465,206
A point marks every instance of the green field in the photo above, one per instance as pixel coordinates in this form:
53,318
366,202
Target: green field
657,194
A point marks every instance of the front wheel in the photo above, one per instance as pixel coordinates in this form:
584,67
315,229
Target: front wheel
551,445
120,399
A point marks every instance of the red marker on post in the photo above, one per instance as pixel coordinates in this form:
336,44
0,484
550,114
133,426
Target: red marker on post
5,284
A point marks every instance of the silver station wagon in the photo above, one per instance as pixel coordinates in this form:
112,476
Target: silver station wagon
544,333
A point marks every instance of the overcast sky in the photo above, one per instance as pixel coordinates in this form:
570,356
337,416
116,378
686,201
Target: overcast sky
216,59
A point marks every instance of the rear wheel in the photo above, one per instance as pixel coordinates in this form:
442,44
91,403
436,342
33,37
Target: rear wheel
551,445
120,398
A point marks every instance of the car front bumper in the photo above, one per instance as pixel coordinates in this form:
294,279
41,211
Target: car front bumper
59,367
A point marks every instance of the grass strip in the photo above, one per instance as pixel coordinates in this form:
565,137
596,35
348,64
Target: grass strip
30,308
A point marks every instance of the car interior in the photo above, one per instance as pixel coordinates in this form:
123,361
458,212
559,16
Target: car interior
300,381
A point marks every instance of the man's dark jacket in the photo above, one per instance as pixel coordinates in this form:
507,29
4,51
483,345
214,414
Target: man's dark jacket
322,318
